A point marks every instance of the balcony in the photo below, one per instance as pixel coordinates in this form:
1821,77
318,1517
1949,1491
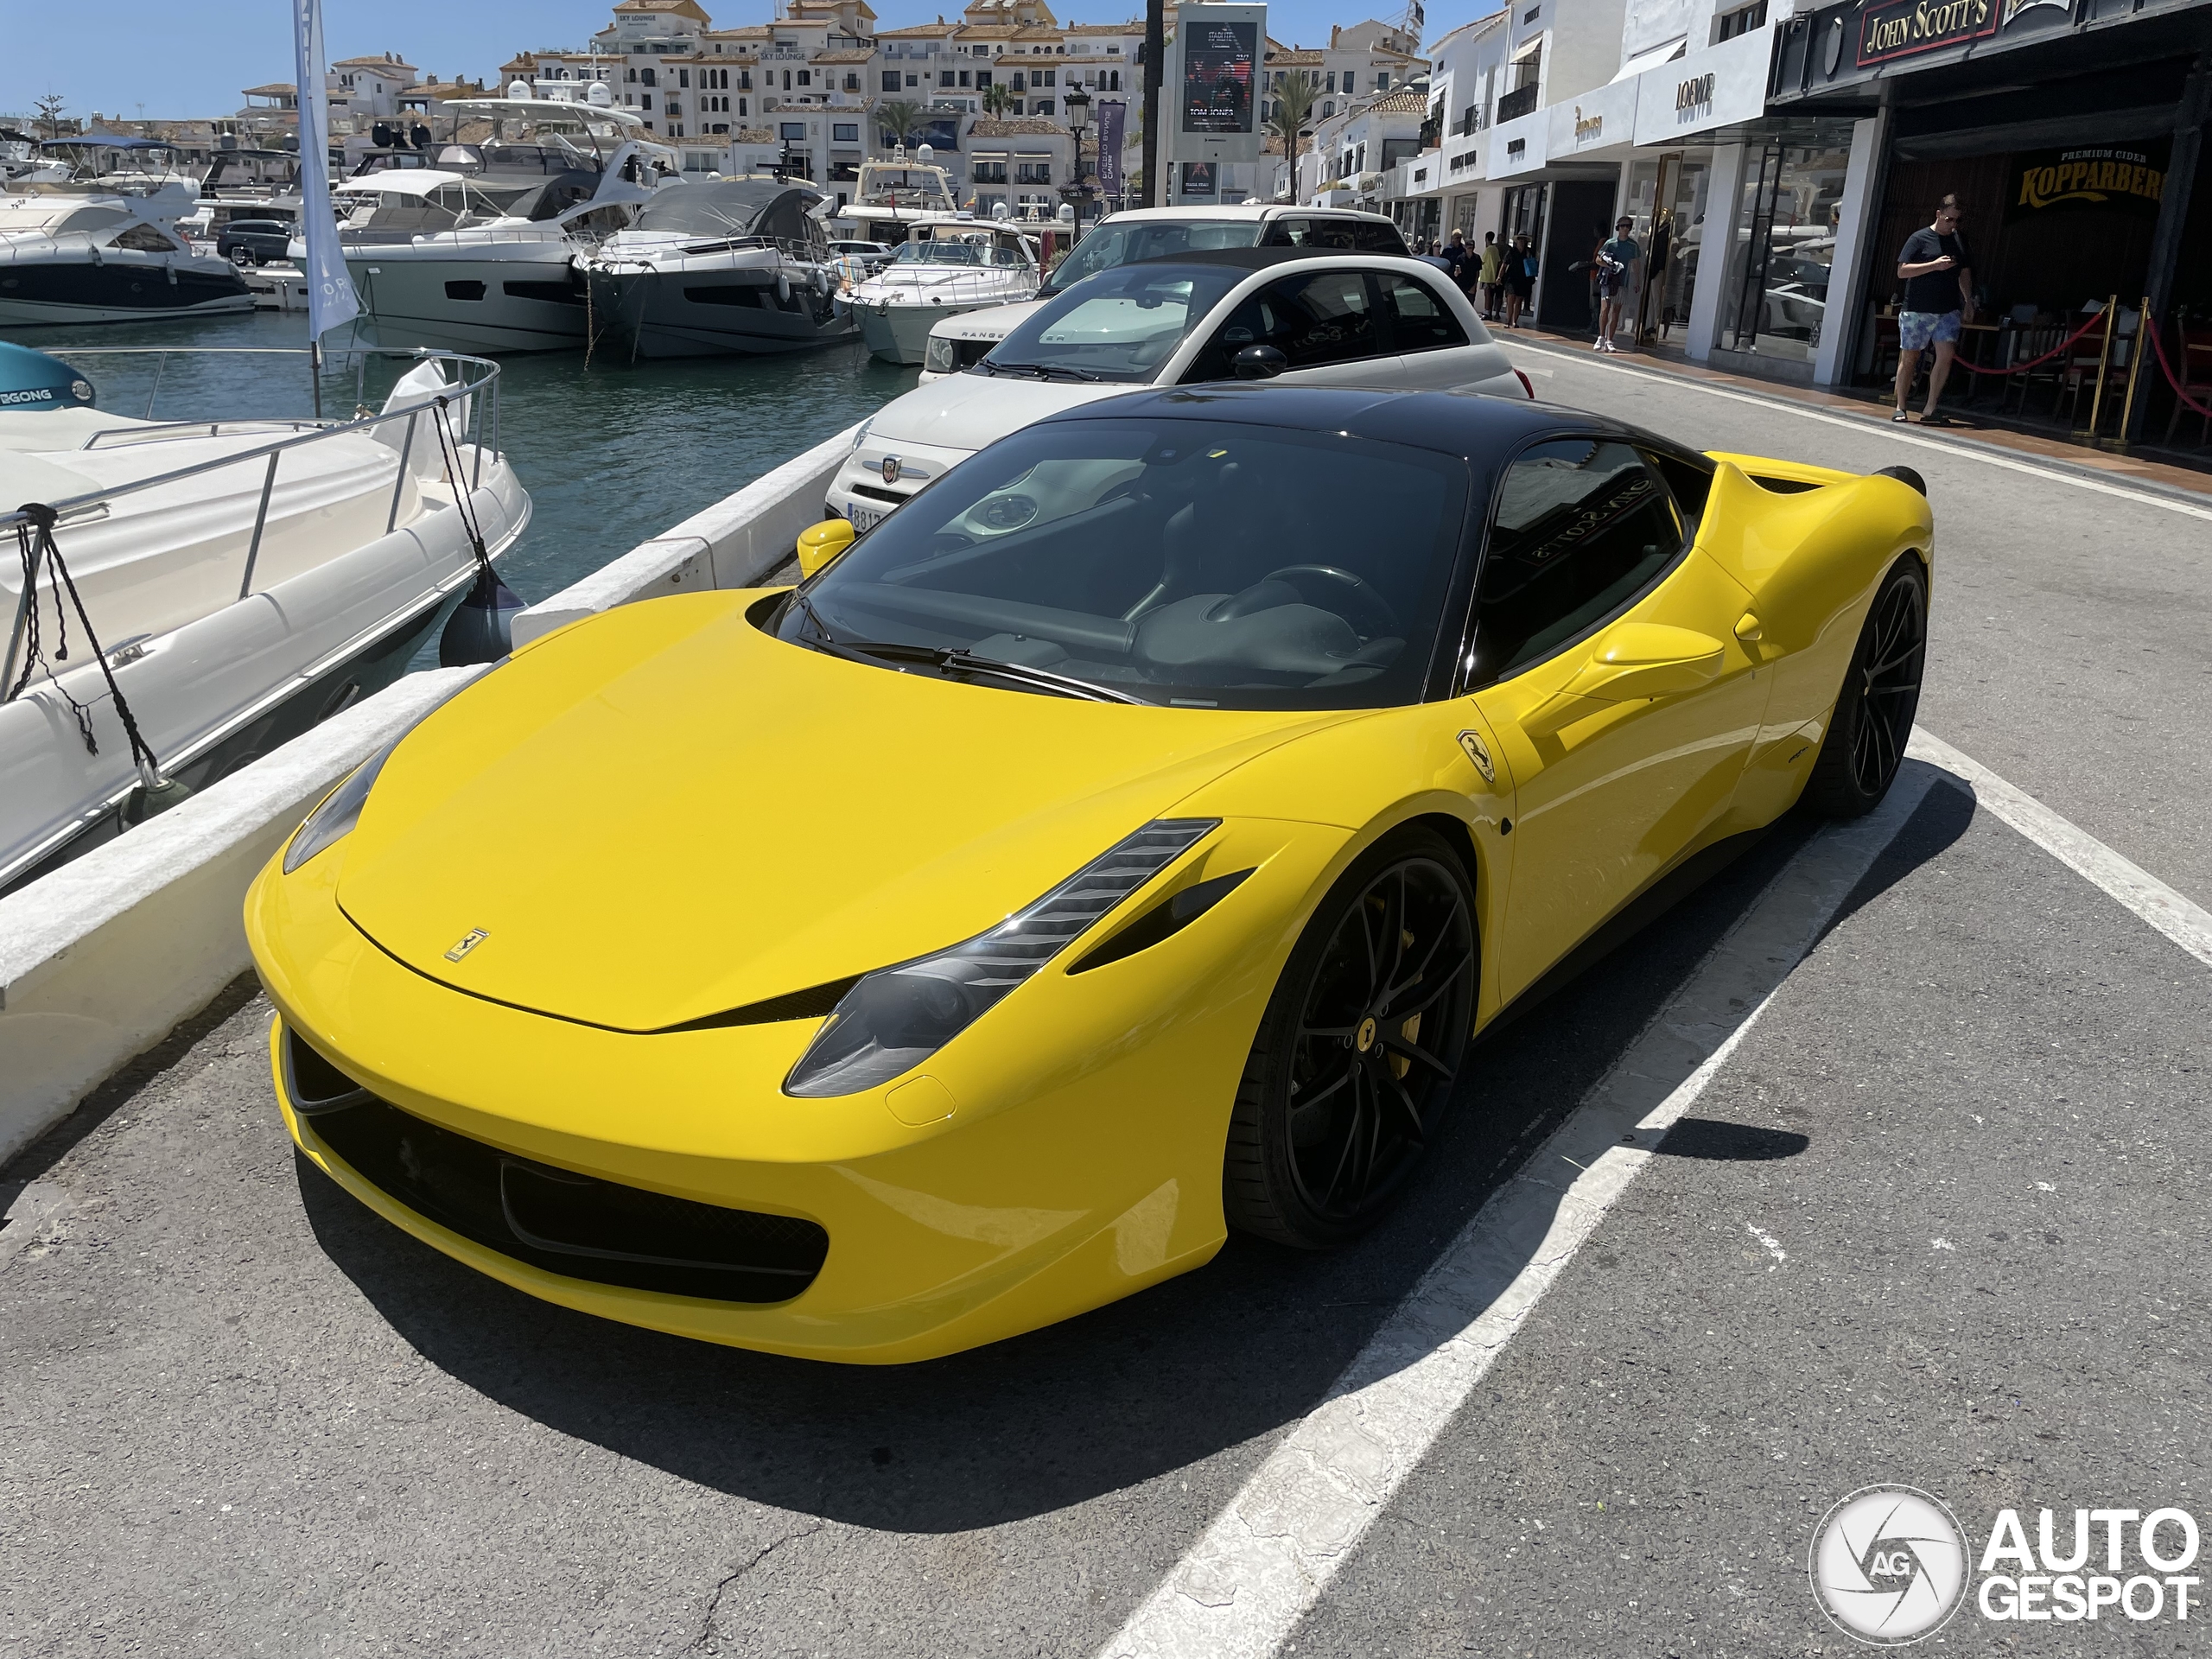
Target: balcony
1512,106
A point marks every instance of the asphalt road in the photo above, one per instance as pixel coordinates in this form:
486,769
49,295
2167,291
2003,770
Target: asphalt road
1937,1219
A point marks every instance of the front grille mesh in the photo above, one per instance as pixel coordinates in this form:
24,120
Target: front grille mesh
577,1225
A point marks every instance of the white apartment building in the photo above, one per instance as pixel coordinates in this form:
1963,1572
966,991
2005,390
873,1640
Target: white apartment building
804,91
365,89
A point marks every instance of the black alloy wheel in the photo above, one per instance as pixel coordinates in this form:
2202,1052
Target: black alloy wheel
1866,736
1356,1056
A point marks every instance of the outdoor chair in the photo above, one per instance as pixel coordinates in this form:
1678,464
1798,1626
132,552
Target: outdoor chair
2193,367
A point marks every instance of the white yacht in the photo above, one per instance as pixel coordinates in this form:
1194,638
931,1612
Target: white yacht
735,266
475,251
947,264
102,245
890,197
244,580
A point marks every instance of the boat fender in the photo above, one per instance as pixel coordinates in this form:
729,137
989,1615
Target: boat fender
783,288
481,627
150,800
821,281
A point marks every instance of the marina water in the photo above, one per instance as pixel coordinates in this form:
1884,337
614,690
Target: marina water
612,452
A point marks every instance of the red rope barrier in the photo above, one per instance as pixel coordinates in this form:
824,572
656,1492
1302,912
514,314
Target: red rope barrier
2166,369
2095,319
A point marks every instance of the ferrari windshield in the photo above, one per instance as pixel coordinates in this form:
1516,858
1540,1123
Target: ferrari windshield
1120,325
1160,561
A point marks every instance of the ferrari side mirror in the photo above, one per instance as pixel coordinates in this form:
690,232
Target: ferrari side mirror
1259,363
819,543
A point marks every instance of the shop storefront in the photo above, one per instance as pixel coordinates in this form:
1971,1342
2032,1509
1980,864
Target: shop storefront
2071,134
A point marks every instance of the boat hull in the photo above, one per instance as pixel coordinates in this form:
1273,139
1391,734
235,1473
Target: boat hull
900,333
732,313
470,305
37,292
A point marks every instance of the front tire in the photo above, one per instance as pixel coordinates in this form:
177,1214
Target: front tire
1353,1068
1874,709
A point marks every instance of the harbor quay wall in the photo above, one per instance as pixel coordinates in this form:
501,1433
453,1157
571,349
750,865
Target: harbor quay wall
102,958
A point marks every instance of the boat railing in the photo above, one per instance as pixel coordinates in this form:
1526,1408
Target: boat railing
475,394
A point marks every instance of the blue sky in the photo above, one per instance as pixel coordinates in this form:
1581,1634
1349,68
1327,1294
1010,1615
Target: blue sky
182,58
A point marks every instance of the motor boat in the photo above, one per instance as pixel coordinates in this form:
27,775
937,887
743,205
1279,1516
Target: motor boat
947,265
475,252
735,266
890,197
244,580
102,245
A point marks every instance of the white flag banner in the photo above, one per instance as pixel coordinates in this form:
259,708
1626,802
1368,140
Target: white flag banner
331,298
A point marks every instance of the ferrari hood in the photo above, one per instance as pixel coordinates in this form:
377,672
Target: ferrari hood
665,813
966,411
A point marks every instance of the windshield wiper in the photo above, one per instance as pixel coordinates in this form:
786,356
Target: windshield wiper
1047,371
963,661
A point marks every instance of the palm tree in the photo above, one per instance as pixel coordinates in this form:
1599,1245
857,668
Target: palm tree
998,97
900,119
1293,108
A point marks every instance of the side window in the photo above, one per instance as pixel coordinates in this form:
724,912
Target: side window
1377,239
1311,233
1312,320
1420,321
1579,529
145,238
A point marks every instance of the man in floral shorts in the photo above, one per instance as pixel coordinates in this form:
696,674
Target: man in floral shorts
1938,300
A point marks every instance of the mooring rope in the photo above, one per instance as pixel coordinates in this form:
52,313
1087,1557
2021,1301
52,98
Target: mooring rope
34,541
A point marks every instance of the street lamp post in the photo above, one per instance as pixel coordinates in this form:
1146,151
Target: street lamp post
1078,104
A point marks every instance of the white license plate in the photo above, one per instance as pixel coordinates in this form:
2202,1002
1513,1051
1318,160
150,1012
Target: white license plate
864,517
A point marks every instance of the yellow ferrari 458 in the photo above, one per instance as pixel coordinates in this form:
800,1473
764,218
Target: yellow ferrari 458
1121,843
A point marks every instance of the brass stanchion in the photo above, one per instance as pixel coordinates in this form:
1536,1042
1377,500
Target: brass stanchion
2134,368
2104,356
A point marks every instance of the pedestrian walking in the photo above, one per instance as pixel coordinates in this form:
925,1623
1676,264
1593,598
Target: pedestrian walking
1493,275
1520,279
1938,303
1456,255
1617,263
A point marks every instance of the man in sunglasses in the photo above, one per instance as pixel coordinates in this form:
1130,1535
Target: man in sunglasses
1938,301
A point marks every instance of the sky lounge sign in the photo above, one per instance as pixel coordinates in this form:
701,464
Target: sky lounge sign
1905,26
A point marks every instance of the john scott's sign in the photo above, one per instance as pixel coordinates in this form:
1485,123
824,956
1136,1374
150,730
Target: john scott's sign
1904,27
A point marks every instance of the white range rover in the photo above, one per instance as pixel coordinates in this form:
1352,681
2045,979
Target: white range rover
1243,314
1155,233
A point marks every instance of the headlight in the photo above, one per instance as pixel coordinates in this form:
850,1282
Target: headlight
938,357
859,437
896,1018
341,808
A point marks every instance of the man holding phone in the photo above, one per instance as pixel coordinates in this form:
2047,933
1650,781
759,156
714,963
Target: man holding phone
1938,301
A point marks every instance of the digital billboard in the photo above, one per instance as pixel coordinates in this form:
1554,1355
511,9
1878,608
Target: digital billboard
1219,70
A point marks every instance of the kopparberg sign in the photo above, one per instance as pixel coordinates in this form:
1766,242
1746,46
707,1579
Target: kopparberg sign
1891,1566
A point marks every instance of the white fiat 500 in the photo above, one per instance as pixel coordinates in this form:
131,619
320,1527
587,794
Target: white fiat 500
1243,314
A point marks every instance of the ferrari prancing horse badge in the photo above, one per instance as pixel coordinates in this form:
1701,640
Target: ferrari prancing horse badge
1478,752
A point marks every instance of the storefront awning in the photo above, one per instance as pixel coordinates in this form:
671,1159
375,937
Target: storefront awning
1653,58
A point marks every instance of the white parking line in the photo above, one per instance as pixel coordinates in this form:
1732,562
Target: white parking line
1895,435
1242,1589
2187,924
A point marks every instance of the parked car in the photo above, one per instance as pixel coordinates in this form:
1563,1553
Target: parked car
253,241
1159,234
1228,314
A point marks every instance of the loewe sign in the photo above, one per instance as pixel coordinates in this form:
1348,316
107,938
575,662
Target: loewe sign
1905,26
1694,95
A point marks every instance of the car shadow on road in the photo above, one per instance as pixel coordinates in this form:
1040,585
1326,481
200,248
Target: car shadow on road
1118,1396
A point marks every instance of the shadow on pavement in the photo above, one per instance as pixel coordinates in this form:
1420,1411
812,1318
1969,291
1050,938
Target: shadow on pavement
1114,1398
